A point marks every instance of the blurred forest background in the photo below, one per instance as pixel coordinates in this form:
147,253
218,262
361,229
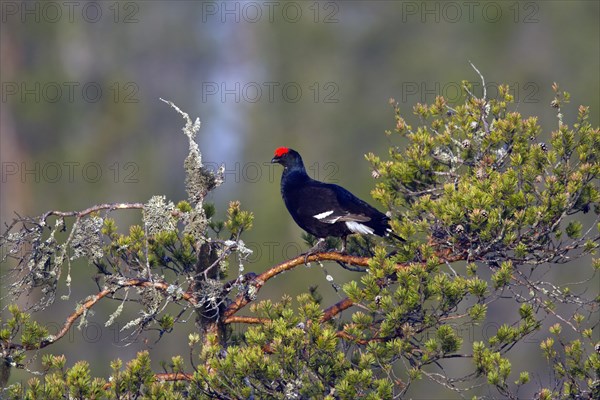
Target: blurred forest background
82,124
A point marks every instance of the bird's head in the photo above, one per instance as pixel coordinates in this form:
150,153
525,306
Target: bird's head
288,158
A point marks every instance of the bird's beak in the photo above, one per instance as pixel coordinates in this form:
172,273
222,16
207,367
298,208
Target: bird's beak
275,160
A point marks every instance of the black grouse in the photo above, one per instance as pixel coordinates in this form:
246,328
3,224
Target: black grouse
324,209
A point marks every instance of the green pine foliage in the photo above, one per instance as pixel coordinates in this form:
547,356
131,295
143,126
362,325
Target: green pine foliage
484,205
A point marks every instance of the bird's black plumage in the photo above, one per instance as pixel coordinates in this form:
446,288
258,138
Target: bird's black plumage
324,209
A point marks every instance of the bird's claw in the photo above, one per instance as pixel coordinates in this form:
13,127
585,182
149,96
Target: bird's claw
317,248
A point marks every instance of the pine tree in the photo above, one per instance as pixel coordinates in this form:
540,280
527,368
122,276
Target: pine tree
486,208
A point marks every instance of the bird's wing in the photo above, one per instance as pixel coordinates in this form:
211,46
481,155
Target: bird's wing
332,203
355,206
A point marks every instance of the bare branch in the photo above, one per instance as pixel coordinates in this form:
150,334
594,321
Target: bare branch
336,309
92,300
93,209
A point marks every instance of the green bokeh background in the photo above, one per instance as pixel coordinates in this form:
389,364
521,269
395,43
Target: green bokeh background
238,67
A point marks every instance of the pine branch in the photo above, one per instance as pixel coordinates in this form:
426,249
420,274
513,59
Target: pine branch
257,282
164,377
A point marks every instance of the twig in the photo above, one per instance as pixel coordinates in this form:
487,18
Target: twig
90,302
235,319
163,377
482,80
98,207
173,376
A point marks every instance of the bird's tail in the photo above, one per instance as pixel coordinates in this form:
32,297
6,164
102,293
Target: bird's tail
392,234
389,232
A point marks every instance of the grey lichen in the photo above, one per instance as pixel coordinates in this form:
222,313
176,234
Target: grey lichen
242,251
198,181
158,216
196,224
114,315
131,324
210,298
151,298
175,291
42,259
87,239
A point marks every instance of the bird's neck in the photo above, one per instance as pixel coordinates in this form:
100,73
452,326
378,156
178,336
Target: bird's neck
294,174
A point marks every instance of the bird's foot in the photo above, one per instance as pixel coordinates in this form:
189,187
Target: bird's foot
317,248
344,245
